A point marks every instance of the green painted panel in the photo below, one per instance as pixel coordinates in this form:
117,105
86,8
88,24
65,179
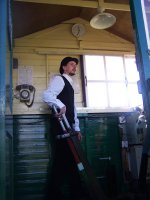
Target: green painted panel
102,146
9,157
32,152
31,156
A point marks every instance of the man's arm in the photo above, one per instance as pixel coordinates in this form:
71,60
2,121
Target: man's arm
55,86
76,124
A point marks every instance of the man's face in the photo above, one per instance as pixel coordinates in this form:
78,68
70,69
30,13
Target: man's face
70,68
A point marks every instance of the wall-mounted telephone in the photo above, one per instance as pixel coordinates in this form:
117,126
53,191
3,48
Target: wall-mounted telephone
26,94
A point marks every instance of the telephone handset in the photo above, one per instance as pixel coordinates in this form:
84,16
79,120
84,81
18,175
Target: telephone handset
25,92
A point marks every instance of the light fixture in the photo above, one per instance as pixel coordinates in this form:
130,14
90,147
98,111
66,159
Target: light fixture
102,20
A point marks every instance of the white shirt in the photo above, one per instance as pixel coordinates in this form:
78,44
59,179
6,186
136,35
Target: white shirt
55,87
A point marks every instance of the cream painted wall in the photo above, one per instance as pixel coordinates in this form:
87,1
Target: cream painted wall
43,67
44,50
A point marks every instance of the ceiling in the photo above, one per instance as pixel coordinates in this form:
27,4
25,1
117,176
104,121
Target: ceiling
30,16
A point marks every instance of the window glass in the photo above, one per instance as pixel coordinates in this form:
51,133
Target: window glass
135,98
95,67
131,70
97,95
112,82
118,95
114,66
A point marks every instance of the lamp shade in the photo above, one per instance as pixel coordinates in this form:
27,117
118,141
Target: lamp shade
103,21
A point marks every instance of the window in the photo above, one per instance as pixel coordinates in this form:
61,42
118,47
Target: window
111,81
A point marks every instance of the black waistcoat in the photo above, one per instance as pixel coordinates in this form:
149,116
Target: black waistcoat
67,98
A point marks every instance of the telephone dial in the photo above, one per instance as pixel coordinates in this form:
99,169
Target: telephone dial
26,94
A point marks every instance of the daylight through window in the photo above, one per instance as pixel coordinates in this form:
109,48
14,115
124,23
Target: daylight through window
111,81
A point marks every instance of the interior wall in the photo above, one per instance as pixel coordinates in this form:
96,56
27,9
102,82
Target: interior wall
43,69
44,50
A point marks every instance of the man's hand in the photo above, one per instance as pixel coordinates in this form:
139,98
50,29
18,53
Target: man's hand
79,135
62,111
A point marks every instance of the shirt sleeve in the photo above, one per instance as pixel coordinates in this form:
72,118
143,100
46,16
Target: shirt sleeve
55,86
76,124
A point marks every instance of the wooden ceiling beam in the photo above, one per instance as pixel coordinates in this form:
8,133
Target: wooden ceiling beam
80,3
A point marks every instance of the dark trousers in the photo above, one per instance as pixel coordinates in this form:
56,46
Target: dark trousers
63,168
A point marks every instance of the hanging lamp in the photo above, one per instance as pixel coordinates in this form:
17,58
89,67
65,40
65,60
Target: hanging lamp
102,20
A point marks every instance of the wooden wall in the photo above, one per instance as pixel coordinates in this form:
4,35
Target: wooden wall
44,50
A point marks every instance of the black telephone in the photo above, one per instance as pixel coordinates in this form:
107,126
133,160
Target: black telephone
25,92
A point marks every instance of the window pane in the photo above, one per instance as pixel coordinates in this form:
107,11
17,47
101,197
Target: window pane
95,67
114,91
131,70
118,95
97,95
135,98
114,66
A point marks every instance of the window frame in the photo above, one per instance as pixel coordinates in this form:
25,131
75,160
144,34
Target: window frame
107,81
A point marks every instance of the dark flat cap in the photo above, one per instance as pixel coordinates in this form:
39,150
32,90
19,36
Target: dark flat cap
65,61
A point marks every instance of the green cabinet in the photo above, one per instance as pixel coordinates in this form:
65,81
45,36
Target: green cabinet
33,153
102,145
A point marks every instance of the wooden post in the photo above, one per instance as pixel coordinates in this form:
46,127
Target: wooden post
3,34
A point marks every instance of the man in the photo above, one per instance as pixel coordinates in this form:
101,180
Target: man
60,93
